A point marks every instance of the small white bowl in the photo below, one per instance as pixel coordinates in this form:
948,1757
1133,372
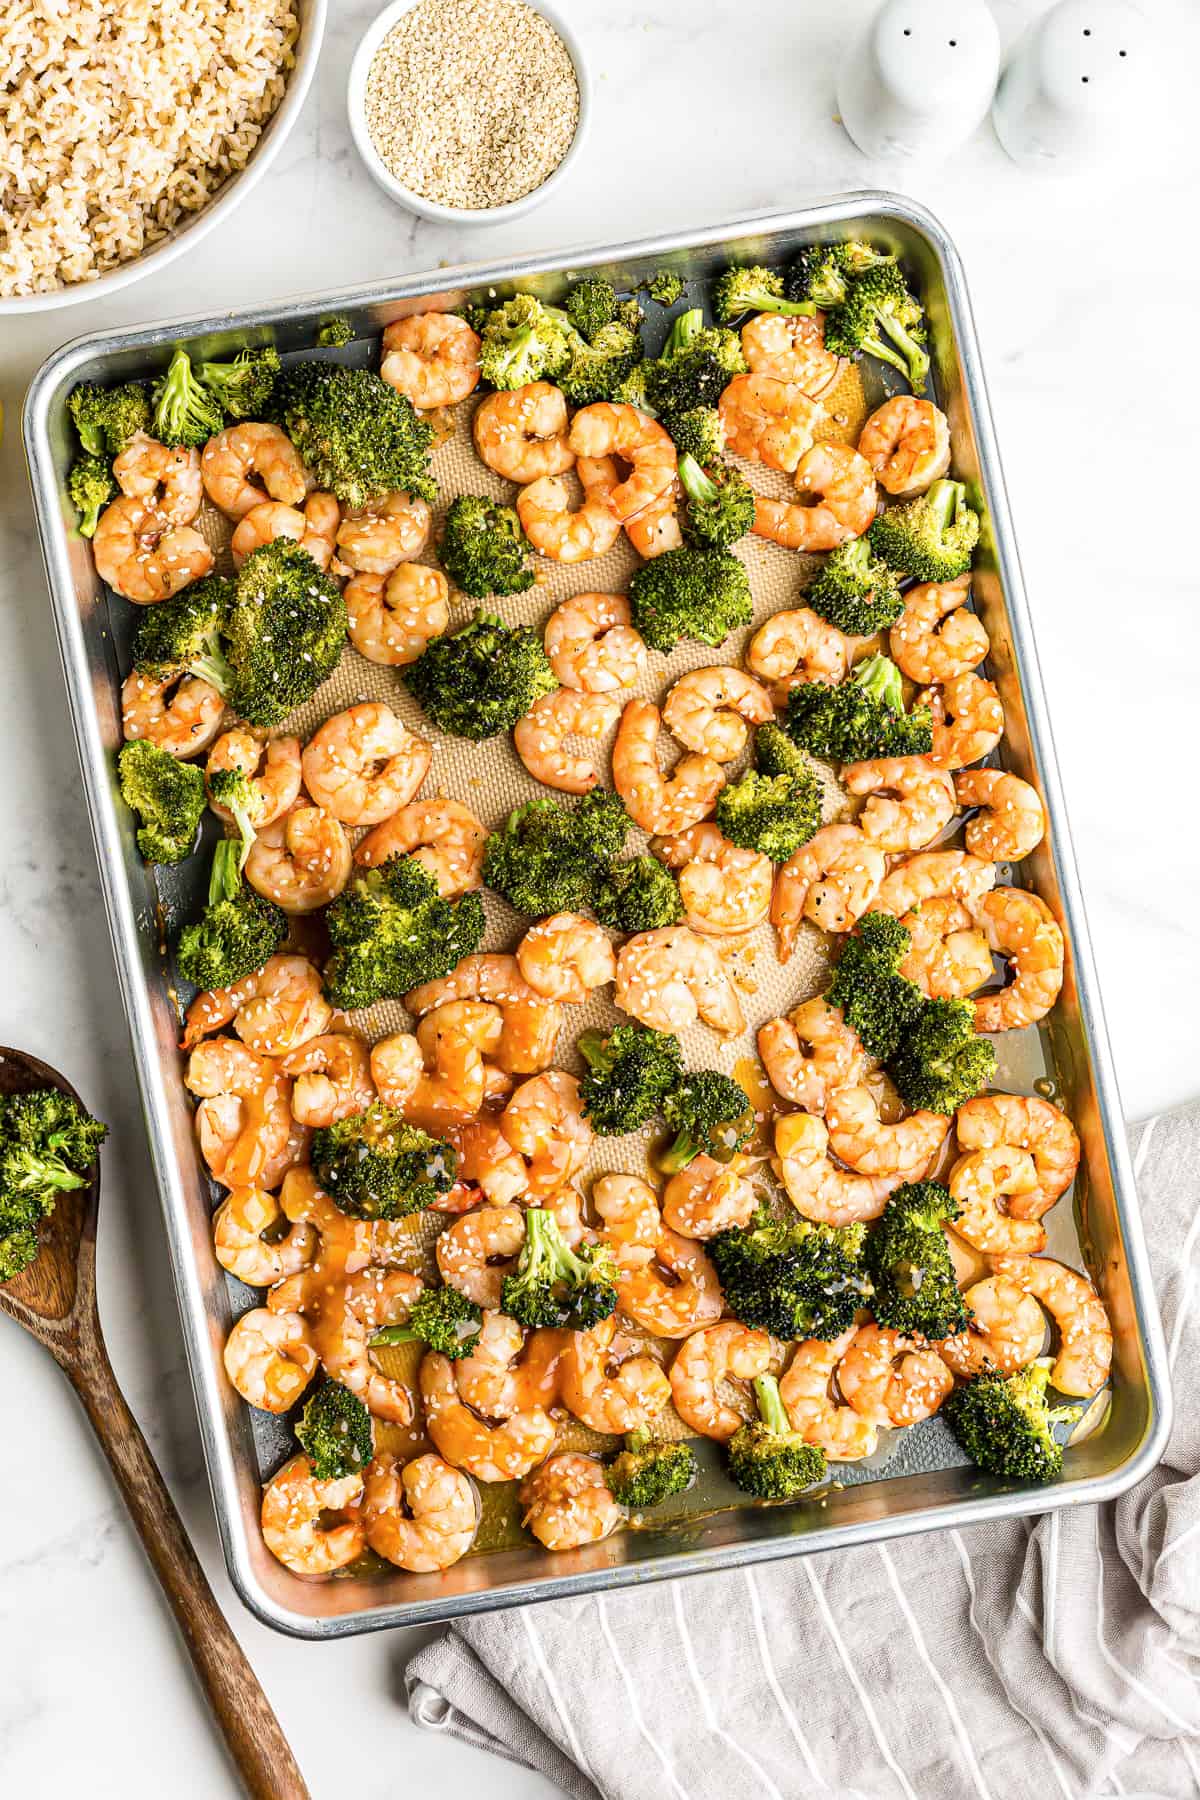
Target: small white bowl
356,96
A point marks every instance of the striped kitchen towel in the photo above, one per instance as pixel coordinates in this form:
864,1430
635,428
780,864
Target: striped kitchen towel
1020,1660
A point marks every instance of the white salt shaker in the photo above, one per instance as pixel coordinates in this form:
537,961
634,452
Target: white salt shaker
920,78
1070,92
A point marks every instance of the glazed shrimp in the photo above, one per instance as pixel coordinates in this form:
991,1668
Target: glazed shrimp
670,978
657,802
479,1250
860,1139
1006,1332
631,1223
720,1353
805,1389
1085,1339
241,1246
907,443
592,646
937,637
314,528
496,1380
490,1452
674,1294
567,1503
487,1162
710,711
1020,927
179,713
166,479
270,1359
244,1118
392,617
522,434
439,1078
933,875
791,349
347,1245
831,881
968,720
270,765
363,765
724,889
539,737
312,1527
708,1197
444,836
605,1386
347,1318
332,1078
837,502
978,1182
891,1379
557,533
769,421
531,1022
1027,1124
566,957
609,430
273,1011
301,860
421,1515
656,529
432,357
544,1121
1012,819
229,461
795,646
375,539
948,956
924,804
142,556
811,1053
818,1188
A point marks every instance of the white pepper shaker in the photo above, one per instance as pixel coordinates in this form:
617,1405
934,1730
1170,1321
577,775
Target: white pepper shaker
1070,91
920,77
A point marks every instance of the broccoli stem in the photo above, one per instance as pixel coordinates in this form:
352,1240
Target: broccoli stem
879,677
697,485
592,1045
687,326
213,668
771,1409
683,1151
225,879
758,299
945,498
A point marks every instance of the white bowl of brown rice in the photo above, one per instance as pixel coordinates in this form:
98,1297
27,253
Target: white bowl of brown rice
131,129
469,111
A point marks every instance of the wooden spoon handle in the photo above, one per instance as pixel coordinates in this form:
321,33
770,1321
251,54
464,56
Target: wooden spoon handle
252,1732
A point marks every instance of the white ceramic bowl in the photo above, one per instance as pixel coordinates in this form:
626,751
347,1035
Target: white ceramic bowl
190,230
433,209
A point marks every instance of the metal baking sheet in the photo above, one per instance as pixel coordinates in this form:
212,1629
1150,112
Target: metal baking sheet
925,1486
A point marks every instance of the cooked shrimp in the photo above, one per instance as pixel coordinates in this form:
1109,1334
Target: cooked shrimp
544,1121
522,434
837,501
314,529
348,1245
567,1503
948,956
179,713
805,1389
606,1386
488,1162
704,1361
167,479
1020,927
270,765
795,646
791,348
831,881
432,357
937,637
968,720
1085,1339
544,509
240,1243
490,1452
421,1515
566,957
609,430
539,737
230,459
363,765
1012,820
332,1077
675,1293
816,1186
658,802
710,710
811,1053
924,807
479,1250
444,836
724,889
349,1315
392,617
592,645
270,1359
670,978
907,443
142,556
531,1022
301,860
452,1080
978,1182
892,1379
631,1223
375,539
932,875
769,421
656,529
492,1380
708,1197
860,1139
1007,1330
275,1009
1028,1124
312,1527
244,1118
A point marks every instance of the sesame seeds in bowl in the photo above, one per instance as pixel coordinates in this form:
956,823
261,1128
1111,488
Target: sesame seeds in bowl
468,110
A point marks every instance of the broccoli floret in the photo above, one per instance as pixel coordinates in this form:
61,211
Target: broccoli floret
1006,1427
183,412
336,1431
591,305
483,549
755,289
90,487
856,591
773,814
776,754
546,857
648,1471
690,593
186,635
333,332
18,1248
597,369
824,272
860,718
48,1146
877,1001
479,680
238,932
236,792
243,386
696,366
940,1062
167,795
637,894
375,1165
698,433
930,538
630,1072
633,389
286,631
359,438
790,1277
720,503
391,930
554,1285
768,1459
665,287
106,418
524,341
710,1115
441,1318
880,315
909,1262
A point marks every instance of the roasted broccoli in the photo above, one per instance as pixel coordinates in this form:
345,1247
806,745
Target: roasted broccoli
524,341
591,305
186,634
665,287
479,680
441,1318
183,412
911,1269
1005,1425
633,389
547,856
391,930
710,1115
237,793
880,315
554,1285
358,437
637,893
18,1248
824,272
790,1277
238,931
336,1431
106,418
699,433
689,593
168,797
648,1471
860,718
768,1459
90,487
696,366
755,289
856,591
877,1001
939,1062
630,1072
597,369
720,502
335,331
931,538
375,1165
285,631
48,1146
483,549
773,814
244,386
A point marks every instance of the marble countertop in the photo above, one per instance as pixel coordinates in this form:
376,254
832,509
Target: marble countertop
701,113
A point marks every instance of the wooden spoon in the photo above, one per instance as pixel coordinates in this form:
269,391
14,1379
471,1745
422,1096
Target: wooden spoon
55,1300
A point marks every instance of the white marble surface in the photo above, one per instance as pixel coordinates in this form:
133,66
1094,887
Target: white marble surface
702,113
